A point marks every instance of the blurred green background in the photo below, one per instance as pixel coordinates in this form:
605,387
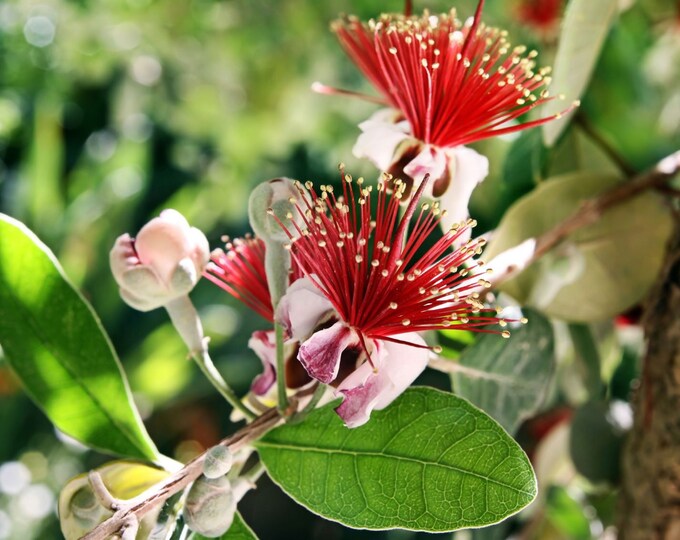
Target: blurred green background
111,111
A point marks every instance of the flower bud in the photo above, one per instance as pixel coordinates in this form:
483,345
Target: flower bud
163,263
272,197
210,506
217,462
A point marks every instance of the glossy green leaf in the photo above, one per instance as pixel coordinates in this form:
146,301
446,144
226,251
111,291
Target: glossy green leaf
600,270
584,29
508,378
431,461
57,347
239,530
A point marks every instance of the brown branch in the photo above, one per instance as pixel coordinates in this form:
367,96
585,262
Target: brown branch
591,210
132,511
625,167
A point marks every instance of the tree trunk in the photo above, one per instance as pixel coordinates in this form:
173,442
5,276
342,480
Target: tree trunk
650,491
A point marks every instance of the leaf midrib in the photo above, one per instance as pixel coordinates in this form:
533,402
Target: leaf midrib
367,453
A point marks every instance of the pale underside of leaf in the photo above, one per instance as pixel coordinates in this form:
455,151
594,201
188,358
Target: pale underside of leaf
584,29
508,378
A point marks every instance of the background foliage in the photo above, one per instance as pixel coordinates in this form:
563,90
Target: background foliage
111,111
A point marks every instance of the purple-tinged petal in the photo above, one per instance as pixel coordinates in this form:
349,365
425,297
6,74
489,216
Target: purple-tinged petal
320,354
367,389
264,346
430,160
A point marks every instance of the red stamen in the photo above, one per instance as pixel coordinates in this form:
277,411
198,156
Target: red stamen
240,271
454,83
369,268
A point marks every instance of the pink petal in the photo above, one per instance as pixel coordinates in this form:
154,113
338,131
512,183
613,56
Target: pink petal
263,344
320,354
430,160
366,390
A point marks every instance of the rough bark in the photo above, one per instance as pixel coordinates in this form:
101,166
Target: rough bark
650,492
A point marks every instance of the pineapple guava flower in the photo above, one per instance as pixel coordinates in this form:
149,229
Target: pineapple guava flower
447,84
160,267
368,291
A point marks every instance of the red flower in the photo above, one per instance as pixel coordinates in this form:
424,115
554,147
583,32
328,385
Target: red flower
455,83
373,272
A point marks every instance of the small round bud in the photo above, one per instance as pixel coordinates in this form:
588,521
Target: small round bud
217,462
210,506
269,201
164,262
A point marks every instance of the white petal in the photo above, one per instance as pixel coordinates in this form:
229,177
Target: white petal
511,261
380,138
302,308
468,169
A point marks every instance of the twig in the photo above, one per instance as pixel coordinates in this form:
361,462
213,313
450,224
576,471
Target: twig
592,210
133,510
604,145
100,491
206,365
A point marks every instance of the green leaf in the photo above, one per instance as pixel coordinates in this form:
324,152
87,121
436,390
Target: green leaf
454,342
523,166
584,29
597,433
57,347
508,378
567,515
600,270
239,530
429,462
587,358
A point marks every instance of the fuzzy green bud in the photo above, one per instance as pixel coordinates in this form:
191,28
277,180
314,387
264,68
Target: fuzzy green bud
210,506
217,462
268,202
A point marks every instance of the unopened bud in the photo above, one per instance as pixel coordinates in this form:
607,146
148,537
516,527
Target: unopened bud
210,506
164,261
270,201
269,206
217,462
